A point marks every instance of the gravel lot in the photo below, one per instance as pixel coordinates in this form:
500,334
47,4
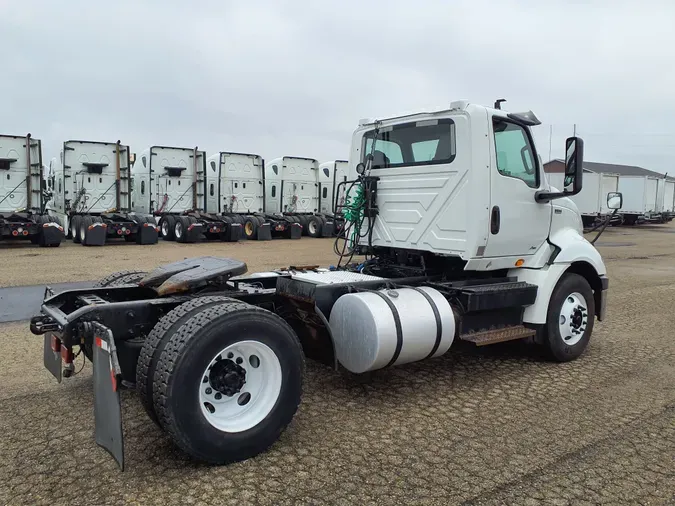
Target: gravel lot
24,264
478,426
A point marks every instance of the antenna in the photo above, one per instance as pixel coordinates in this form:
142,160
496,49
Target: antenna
498,103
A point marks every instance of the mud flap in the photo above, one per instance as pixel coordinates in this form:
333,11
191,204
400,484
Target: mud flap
194,232
232,233
264,232
296,231
96,235
52,355
107,407
328,228
147,234
50,234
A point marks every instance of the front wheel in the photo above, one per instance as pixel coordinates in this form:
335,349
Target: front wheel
228,382
570,319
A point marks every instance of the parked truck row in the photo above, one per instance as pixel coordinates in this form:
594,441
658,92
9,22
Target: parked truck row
95,192
645,198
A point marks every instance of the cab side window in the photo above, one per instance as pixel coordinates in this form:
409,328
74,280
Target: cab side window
515,155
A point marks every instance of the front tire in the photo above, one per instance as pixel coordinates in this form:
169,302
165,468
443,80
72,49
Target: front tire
252,396
570,319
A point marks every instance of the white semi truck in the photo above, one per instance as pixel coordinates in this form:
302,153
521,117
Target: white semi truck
592,199
91,186
23,193
332,190
466,243
292,194
170,184
236,192
665,200
640,198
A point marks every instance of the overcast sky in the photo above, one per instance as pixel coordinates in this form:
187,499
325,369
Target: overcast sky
294,77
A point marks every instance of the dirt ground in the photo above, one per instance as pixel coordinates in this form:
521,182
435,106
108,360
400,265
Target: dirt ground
497,425
24,264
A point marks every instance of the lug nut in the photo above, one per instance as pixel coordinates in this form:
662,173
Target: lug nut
239,360
218,396
230,355
208,391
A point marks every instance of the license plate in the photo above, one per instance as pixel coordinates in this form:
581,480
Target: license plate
52,355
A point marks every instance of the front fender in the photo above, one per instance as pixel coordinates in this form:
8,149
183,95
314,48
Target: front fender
575,248
572,249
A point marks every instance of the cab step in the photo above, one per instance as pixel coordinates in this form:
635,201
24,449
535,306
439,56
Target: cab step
493,336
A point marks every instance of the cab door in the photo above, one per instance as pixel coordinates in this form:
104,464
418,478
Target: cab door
518,223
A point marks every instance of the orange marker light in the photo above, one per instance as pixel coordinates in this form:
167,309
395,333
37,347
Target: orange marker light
519,262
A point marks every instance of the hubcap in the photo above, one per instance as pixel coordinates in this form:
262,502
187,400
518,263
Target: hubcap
165,228
240,386
179,230
312,227
573,319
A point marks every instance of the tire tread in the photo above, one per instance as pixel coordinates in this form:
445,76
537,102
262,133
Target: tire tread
172,353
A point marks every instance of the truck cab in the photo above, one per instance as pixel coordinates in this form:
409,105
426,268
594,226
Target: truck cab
465,187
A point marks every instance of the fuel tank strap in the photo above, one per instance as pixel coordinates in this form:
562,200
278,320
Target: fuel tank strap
437,317
397,323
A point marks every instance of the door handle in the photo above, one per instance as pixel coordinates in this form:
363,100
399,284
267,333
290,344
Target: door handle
495,220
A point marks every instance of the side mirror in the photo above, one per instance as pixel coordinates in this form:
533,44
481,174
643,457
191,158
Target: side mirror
360,169
614,200
574,169
574,164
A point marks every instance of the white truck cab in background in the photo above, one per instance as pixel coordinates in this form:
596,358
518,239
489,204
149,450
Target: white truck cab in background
292,195
463,190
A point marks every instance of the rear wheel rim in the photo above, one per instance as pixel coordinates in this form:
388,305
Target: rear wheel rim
178,230
240,386
83,230
248,228
73,229
313,227
165,228
573,318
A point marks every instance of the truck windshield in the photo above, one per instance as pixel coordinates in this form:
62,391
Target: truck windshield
408,144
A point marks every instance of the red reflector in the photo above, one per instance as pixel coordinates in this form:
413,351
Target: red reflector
46,225
25,232
113,380
119,232
104,225
146,224
90,227
66,354
191,227
56,344
217,230
15,233
99,342
127,231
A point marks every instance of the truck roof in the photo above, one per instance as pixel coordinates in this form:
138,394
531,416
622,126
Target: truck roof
528,118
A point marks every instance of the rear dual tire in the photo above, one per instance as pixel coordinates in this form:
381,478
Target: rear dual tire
181,227
226,378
